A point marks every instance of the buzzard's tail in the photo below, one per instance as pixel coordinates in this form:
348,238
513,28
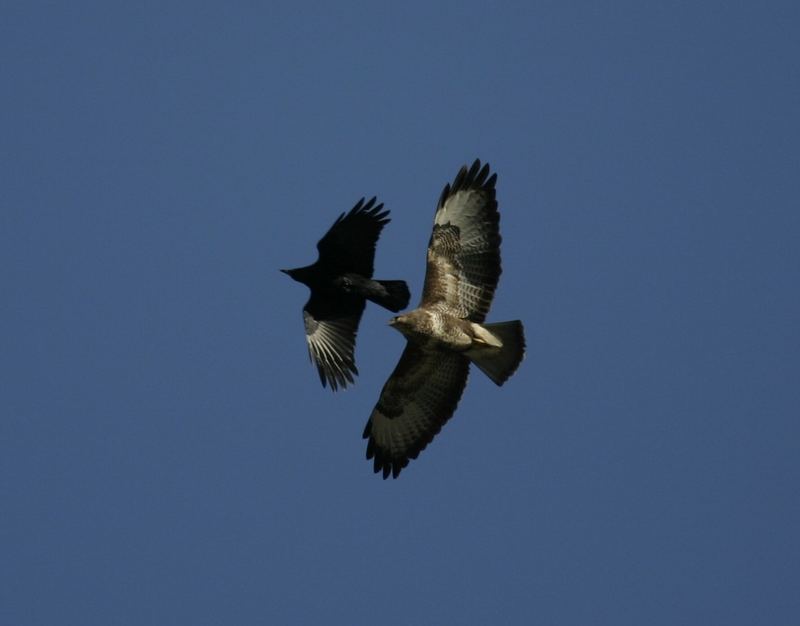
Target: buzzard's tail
390,294
498,349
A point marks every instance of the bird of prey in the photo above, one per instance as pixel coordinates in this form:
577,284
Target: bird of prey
341,282
446,333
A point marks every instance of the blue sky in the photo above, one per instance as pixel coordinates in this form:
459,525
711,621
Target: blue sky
167,454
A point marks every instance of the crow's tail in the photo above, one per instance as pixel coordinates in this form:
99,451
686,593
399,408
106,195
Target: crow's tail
390,294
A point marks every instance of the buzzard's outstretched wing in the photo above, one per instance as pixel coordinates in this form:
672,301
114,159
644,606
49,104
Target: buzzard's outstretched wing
331,326
349,245
464,249
416,401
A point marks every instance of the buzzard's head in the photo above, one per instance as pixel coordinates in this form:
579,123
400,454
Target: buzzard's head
398,321
403,323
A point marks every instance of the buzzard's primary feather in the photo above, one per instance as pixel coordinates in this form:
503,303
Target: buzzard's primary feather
341,283
445,333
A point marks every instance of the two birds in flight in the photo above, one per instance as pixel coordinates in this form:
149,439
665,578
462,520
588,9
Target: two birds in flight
444,334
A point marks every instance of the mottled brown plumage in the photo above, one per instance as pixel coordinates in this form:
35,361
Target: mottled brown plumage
446,332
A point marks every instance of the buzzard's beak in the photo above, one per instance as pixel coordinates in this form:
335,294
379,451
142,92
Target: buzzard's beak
392,321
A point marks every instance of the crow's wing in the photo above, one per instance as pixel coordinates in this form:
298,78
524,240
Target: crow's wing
349,245
331,324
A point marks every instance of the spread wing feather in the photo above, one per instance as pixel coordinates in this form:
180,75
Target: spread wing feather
331,327
418,398
464,249
349,245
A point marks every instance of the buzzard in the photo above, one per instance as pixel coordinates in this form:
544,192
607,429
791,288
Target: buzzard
341,282
446,333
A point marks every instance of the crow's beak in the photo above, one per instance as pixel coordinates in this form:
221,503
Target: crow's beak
284,271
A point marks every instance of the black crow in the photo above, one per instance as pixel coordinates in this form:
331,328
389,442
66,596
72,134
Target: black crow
341,283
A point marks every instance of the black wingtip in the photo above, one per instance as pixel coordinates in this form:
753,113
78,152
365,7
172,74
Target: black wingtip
338,379
381,464
476,176
367,208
